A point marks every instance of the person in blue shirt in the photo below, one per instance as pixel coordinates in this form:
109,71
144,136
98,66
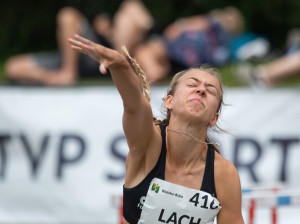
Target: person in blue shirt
190,41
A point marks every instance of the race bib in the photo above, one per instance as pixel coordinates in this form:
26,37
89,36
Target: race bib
171,203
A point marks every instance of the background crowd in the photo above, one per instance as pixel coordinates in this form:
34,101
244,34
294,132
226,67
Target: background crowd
251,43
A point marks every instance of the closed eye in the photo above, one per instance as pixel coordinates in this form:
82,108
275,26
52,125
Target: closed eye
191,85
211,91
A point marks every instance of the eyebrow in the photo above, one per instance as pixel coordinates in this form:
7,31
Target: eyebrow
206,84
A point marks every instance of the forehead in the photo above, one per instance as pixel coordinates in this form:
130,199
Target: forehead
202,76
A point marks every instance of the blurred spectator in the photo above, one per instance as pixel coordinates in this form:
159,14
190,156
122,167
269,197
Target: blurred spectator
269,74
214,38
65,66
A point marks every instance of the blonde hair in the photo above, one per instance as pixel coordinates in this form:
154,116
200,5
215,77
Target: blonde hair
139,72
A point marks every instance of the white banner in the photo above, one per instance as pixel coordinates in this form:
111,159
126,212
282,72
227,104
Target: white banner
62,150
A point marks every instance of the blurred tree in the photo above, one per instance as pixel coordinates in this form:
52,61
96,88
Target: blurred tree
29,25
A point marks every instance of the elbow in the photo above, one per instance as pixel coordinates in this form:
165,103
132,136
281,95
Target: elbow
130,109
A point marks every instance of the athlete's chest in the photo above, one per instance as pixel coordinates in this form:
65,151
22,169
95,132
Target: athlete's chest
187,178
171,203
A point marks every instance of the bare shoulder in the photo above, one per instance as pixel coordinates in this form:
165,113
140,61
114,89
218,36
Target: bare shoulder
226,177
224,168
228,188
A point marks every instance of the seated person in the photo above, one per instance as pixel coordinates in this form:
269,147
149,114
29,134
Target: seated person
190,41
270,74
65,66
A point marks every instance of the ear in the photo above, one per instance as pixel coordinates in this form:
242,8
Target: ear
214,120
168,102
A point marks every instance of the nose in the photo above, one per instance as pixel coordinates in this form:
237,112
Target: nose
201,90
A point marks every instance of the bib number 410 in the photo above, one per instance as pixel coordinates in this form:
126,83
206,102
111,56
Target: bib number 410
203,201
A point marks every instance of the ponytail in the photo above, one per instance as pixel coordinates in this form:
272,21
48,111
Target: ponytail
139,72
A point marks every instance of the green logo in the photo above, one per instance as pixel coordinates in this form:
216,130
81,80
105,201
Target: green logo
155,188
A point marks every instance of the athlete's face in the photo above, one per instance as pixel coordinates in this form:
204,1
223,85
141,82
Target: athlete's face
197,94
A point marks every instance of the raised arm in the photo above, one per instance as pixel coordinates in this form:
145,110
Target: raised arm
137,118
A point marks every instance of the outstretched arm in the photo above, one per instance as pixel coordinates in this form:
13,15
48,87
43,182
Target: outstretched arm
137,118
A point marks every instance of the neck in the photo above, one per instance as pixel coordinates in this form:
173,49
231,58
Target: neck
188,134
194,132
184,146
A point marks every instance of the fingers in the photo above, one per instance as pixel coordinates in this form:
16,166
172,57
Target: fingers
76,44
82,39
99,53
77,48
84,45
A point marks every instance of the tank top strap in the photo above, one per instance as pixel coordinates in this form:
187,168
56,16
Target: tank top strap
208,183
163,137
162,162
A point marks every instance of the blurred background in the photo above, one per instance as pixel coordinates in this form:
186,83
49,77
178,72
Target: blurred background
59,163
30,26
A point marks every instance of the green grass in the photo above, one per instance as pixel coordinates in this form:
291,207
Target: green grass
228,77
227,71
230,80
293,81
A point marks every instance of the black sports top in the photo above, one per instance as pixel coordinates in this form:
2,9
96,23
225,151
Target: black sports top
133,198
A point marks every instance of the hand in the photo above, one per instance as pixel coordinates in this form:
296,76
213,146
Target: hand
105,56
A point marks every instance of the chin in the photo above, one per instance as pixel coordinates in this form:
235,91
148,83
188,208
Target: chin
196,111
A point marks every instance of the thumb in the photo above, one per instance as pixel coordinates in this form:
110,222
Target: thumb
102,69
